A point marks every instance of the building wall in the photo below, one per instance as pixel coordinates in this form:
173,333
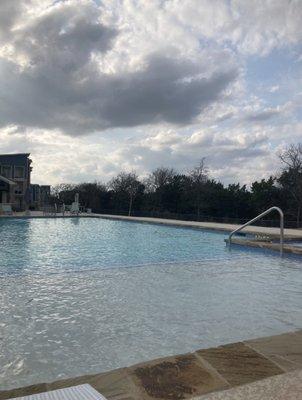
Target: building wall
17,167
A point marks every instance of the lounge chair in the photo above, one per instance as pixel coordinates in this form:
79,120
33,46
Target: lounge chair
6,209
80,392
75,208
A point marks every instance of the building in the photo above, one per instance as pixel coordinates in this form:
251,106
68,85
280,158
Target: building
15,172
39,196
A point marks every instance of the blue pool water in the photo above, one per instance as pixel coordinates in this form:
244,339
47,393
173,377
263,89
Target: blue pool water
82,296
61,245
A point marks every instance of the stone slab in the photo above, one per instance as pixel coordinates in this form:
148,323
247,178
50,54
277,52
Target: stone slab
24,391
113,385
286,349
239,364
282,387
180,377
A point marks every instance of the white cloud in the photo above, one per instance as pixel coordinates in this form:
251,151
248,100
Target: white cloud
253,27
232,154
274,89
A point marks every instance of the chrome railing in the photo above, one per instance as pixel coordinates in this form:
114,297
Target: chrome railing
260,216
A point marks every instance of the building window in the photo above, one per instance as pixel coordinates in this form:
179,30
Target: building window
18,172
6,171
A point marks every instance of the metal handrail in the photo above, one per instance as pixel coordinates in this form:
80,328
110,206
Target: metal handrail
260,216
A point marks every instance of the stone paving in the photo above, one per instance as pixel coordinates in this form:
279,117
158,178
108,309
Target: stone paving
188,376
281,387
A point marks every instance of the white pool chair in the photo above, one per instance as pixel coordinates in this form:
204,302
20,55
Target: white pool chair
6,209
81,392
75,208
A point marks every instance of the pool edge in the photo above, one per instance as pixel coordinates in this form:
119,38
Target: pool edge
192,374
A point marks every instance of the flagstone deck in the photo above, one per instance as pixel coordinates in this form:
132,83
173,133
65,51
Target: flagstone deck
262,363
280,387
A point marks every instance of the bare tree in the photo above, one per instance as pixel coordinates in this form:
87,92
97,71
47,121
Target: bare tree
199,176
159,178
127,183
157,182
291,177
62,187
292,157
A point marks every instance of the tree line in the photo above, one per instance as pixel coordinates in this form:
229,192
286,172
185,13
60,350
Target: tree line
194,195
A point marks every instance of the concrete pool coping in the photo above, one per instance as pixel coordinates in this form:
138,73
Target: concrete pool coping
271,360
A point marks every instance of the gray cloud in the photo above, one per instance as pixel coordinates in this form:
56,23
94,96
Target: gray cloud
168,90
10,9
63,38
60,85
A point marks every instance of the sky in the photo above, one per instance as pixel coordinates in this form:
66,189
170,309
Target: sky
91,88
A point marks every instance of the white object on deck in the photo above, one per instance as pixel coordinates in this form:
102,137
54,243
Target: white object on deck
6,209
81,392
75,208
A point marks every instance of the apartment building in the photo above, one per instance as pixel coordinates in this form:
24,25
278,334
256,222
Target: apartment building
15,172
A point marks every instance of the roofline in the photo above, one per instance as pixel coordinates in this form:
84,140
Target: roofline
15,154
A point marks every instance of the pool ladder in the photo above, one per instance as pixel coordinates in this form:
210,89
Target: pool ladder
256,219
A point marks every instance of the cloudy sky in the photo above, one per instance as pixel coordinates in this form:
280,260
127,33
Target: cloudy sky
93,87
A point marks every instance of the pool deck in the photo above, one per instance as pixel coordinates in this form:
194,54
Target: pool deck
253,369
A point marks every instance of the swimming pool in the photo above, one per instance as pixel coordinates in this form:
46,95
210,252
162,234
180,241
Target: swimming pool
81,296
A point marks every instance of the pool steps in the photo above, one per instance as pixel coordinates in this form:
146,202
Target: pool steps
268,211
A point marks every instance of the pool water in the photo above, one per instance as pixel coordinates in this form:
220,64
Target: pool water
43,246
81,296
